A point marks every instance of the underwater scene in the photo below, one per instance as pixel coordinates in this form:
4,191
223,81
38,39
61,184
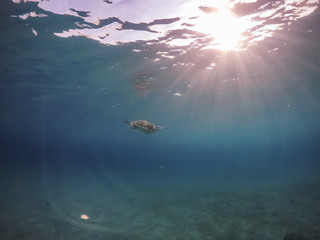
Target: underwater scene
159,120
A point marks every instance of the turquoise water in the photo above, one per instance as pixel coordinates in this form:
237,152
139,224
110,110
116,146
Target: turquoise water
239,158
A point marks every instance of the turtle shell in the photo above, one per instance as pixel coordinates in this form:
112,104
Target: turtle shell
145,126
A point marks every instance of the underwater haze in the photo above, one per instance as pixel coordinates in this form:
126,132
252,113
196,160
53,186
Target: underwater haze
235,83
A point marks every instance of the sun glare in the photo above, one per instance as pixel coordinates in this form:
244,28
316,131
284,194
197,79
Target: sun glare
225,29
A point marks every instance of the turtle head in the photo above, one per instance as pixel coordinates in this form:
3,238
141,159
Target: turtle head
132,125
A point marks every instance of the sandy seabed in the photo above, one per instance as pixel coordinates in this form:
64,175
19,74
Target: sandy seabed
35,205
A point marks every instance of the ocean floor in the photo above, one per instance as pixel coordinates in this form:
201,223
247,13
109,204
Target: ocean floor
40,204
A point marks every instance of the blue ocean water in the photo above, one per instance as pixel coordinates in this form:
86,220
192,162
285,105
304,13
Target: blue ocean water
240,157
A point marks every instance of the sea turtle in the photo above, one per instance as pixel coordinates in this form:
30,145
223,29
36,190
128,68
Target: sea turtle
144,126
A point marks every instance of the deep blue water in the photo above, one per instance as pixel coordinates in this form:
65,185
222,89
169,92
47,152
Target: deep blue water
63,102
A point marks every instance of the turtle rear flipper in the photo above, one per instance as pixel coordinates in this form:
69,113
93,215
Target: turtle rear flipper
161,127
